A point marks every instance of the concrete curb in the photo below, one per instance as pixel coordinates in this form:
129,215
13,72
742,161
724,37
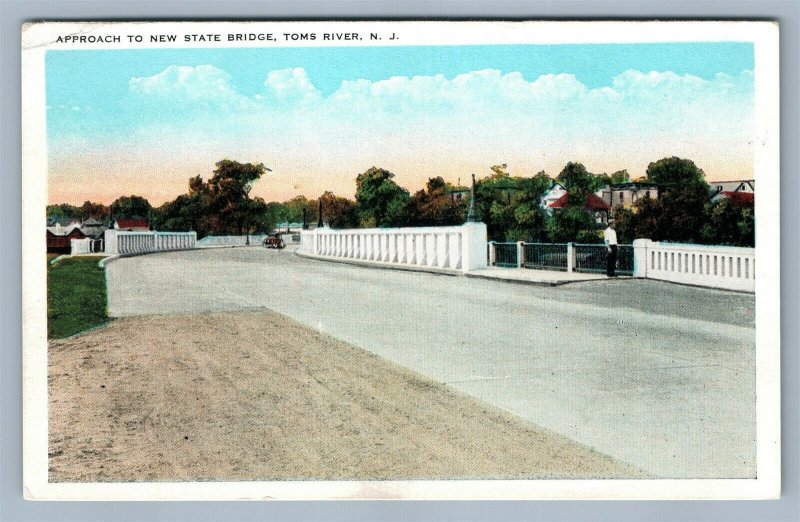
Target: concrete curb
103,262
59,259
385,266
106,260
557,282
211,247
512,281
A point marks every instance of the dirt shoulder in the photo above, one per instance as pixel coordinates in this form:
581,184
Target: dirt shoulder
257,396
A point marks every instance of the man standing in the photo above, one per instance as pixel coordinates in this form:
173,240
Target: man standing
610,239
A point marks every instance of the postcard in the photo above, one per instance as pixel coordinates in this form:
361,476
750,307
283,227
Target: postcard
401,260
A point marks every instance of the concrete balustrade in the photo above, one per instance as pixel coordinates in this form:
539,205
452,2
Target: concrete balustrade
460,248
243,240
126,242
731,268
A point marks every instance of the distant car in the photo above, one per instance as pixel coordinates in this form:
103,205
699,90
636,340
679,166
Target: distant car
273,241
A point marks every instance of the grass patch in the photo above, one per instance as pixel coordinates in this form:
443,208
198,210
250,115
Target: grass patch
76,296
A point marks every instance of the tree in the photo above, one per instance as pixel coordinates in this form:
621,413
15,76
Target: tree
682,199
620,176
94,210
510,206
500,170
625,220
747,228
297,205
131,207
436,205
573,224
676,172
220,206
229,188
338,212
255,217
644,220
578,182
381,201
62,211
529,217
727,224
276,212
184,213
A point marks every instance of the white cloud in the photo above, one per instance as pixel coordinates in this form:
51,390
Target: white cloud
184,85
290,86
478,95
489,88
484,113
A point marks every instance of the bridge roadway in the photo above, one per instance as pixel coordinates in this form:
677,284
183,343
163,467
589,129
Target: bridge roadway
657,375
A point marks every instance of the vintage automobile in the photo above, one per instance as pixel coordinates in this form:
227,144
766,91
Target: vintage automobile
273,241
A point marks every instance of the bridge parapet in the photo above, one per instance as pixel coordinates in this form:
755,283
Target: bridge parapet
459,248
128,242
728,267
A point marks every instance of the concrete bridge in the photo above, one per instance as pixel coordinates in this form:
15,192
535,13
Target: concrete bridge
658,375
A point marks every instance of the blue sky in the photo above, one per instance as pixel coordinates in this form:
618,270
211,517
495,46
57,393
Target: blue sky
145,121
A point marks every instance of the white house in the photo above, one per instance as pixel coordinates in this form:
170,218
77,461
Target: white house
626,194
742,185
553,194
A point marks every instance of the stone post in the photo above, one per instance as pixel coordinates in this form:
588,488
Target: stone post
640,250
473,246
110,240
520,254
570,257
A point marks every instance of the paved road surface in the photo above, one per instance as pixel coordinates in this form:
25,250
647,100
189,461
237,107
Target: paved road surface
658,375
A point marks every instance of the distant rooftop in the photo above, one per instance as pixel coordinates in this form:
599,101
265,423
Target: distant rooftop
593,202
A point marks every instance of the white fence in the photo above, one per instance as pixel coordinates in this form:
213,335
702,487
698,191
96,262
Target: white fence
85,246
461,248
731,268
125,242
243,240
80,246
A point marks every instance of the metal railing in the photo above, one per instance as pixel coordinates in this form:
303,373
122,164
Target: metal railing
546,256
505,255
565,257
592,258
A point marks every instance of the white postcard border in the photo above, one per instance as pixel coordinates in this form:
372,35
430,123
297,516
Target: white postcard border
40,37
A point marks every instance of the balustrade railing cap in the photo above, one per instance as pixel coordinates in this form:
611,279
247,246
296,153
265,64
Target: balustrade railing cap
455,229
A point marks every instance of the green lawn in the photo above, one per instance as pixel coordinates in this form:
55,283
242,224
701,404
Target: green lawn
76,296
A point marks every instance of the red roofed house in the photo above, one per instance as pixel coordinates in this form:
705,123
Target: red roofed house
59,237
555,191
131,224
593,202
738,199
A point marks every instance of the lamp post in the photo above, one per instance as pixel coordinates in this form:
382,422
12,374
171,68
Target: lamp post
471,213
319,222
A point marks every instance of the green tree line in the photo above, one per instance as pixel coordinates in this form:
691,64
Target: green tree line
508,204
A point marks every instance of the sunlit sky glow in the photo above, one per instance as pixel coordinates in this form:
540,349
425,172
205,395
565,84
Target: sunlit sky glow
145,121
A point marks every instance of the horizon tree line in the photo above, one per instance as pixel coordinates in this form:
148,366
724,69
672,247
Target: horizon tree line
508,204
